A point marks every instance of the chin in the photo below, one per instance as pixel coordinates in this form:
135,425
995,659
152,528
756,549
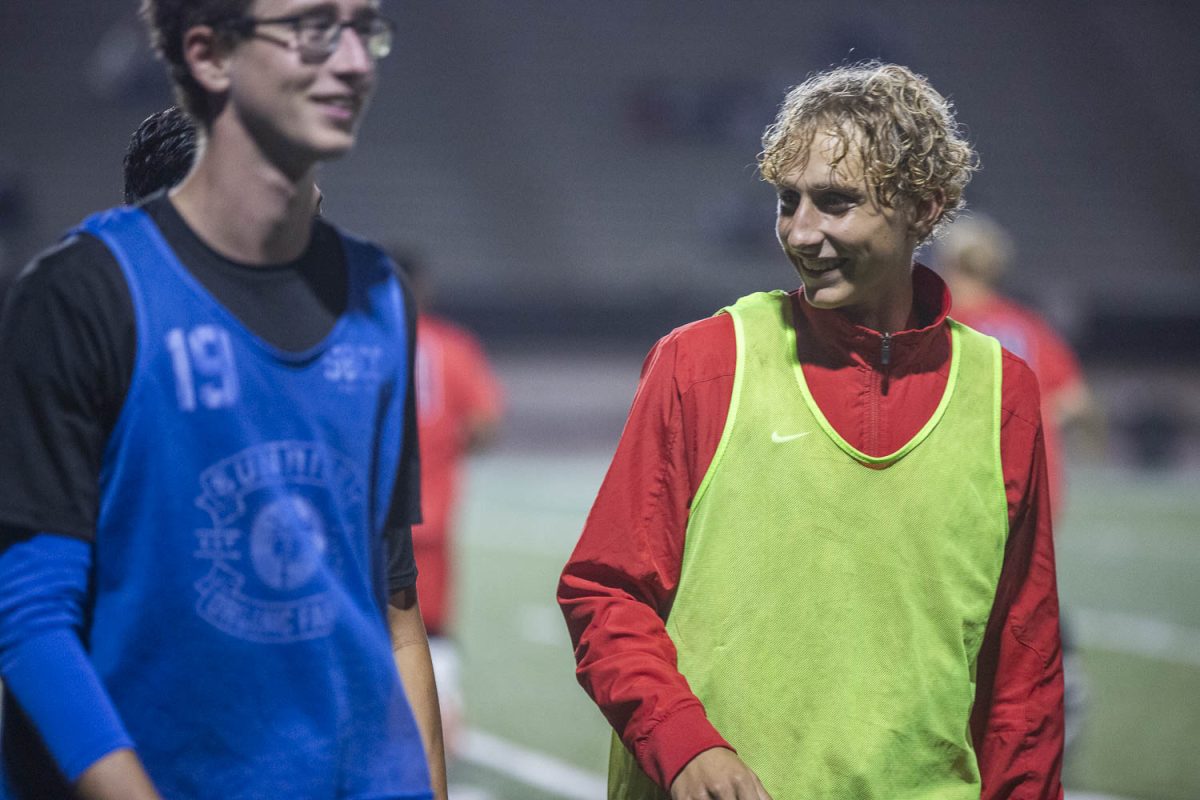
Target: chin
331,150
333,153
826,305
827,297
334,143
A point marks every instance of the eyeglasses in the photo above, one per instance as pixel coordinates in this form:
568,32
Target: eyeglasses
316,34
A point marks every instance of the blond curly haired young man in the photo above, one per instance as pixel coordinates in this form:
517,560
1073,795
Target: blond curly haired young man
821,563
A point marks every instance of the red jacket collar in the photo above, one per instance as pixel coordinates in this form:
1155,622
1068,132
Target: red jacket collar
832,340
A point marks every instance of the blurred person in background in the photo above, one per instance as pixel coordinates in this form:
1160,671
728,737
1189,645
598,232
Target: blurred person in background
160,154
459,408
821,563
974,254
206,582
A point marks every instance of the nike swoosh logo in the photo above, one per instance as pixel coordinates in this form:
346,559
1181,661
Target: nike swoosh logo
775,437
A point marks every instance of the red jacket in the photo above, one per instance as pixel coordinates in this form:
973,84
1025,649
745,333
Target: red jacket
616,590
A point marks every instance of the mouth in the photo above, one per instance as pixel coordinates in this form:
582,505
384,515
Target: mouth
820,266
340,106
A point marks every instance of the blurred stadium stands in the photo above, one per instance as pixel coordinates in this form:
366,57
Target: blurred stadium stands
567,164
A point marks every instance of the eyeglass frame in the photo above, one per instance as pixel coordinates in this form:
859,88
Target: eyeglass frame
245,26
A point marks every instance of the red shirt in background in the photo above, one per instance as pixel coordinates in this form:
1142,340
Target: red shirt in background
457,393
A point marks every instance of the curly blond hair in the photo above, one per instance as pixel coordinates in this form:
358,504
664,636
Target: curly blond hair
901,128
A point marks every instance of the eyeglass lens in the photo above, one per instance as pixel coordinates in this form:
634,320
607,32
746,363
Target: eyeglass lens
320,37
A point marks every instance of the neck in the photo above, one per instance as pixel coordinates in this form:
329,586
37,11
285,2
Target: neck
892,315
244,205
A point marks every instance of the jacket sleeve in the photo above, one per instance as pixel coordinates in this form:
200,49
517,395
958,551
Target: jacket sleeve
617,587
1017,721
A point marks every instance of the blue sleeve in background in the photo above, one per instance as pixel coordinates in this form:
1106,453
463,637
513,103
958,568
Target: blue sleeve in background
43,583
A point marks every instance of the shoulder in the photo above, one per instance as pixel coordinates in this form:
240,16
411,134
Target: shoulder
695,353
330,241
78,271
368,263
1019,392
706,349
328,235
1020,398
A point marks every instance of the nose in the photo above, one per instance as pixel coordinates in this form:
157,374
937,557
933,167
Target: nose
350,57
801,230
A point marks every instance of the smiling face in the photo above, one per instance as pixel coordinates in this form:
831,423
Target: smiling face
853,253
300,110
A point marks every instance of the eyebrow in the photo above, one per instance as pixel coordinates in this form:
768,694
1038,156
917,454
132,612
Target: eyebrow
326,8
314,8
824,186
844,188
372,6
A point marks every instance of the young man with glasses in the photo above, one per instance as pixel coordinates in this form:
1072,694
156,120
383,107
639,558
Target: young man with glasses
212,449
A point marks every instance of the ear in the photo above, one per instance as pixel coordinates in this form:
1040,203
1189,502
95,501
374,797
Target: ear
206,53
926,213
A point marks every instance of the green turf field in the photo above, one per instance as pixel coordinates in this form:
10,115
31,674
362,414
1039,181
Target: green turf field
1129,567
1129,561
518,671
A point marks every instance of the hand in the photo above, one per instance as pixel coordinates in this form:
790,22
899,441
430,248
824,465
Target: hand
717,774
117,776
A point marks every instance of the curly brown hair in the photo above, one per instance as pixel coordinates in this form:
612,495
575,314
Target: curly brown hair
903,131
168,21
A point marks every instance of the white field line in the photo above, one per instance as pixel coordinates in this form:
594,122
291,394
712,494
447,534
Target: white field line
532,768
1140,636
461,792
